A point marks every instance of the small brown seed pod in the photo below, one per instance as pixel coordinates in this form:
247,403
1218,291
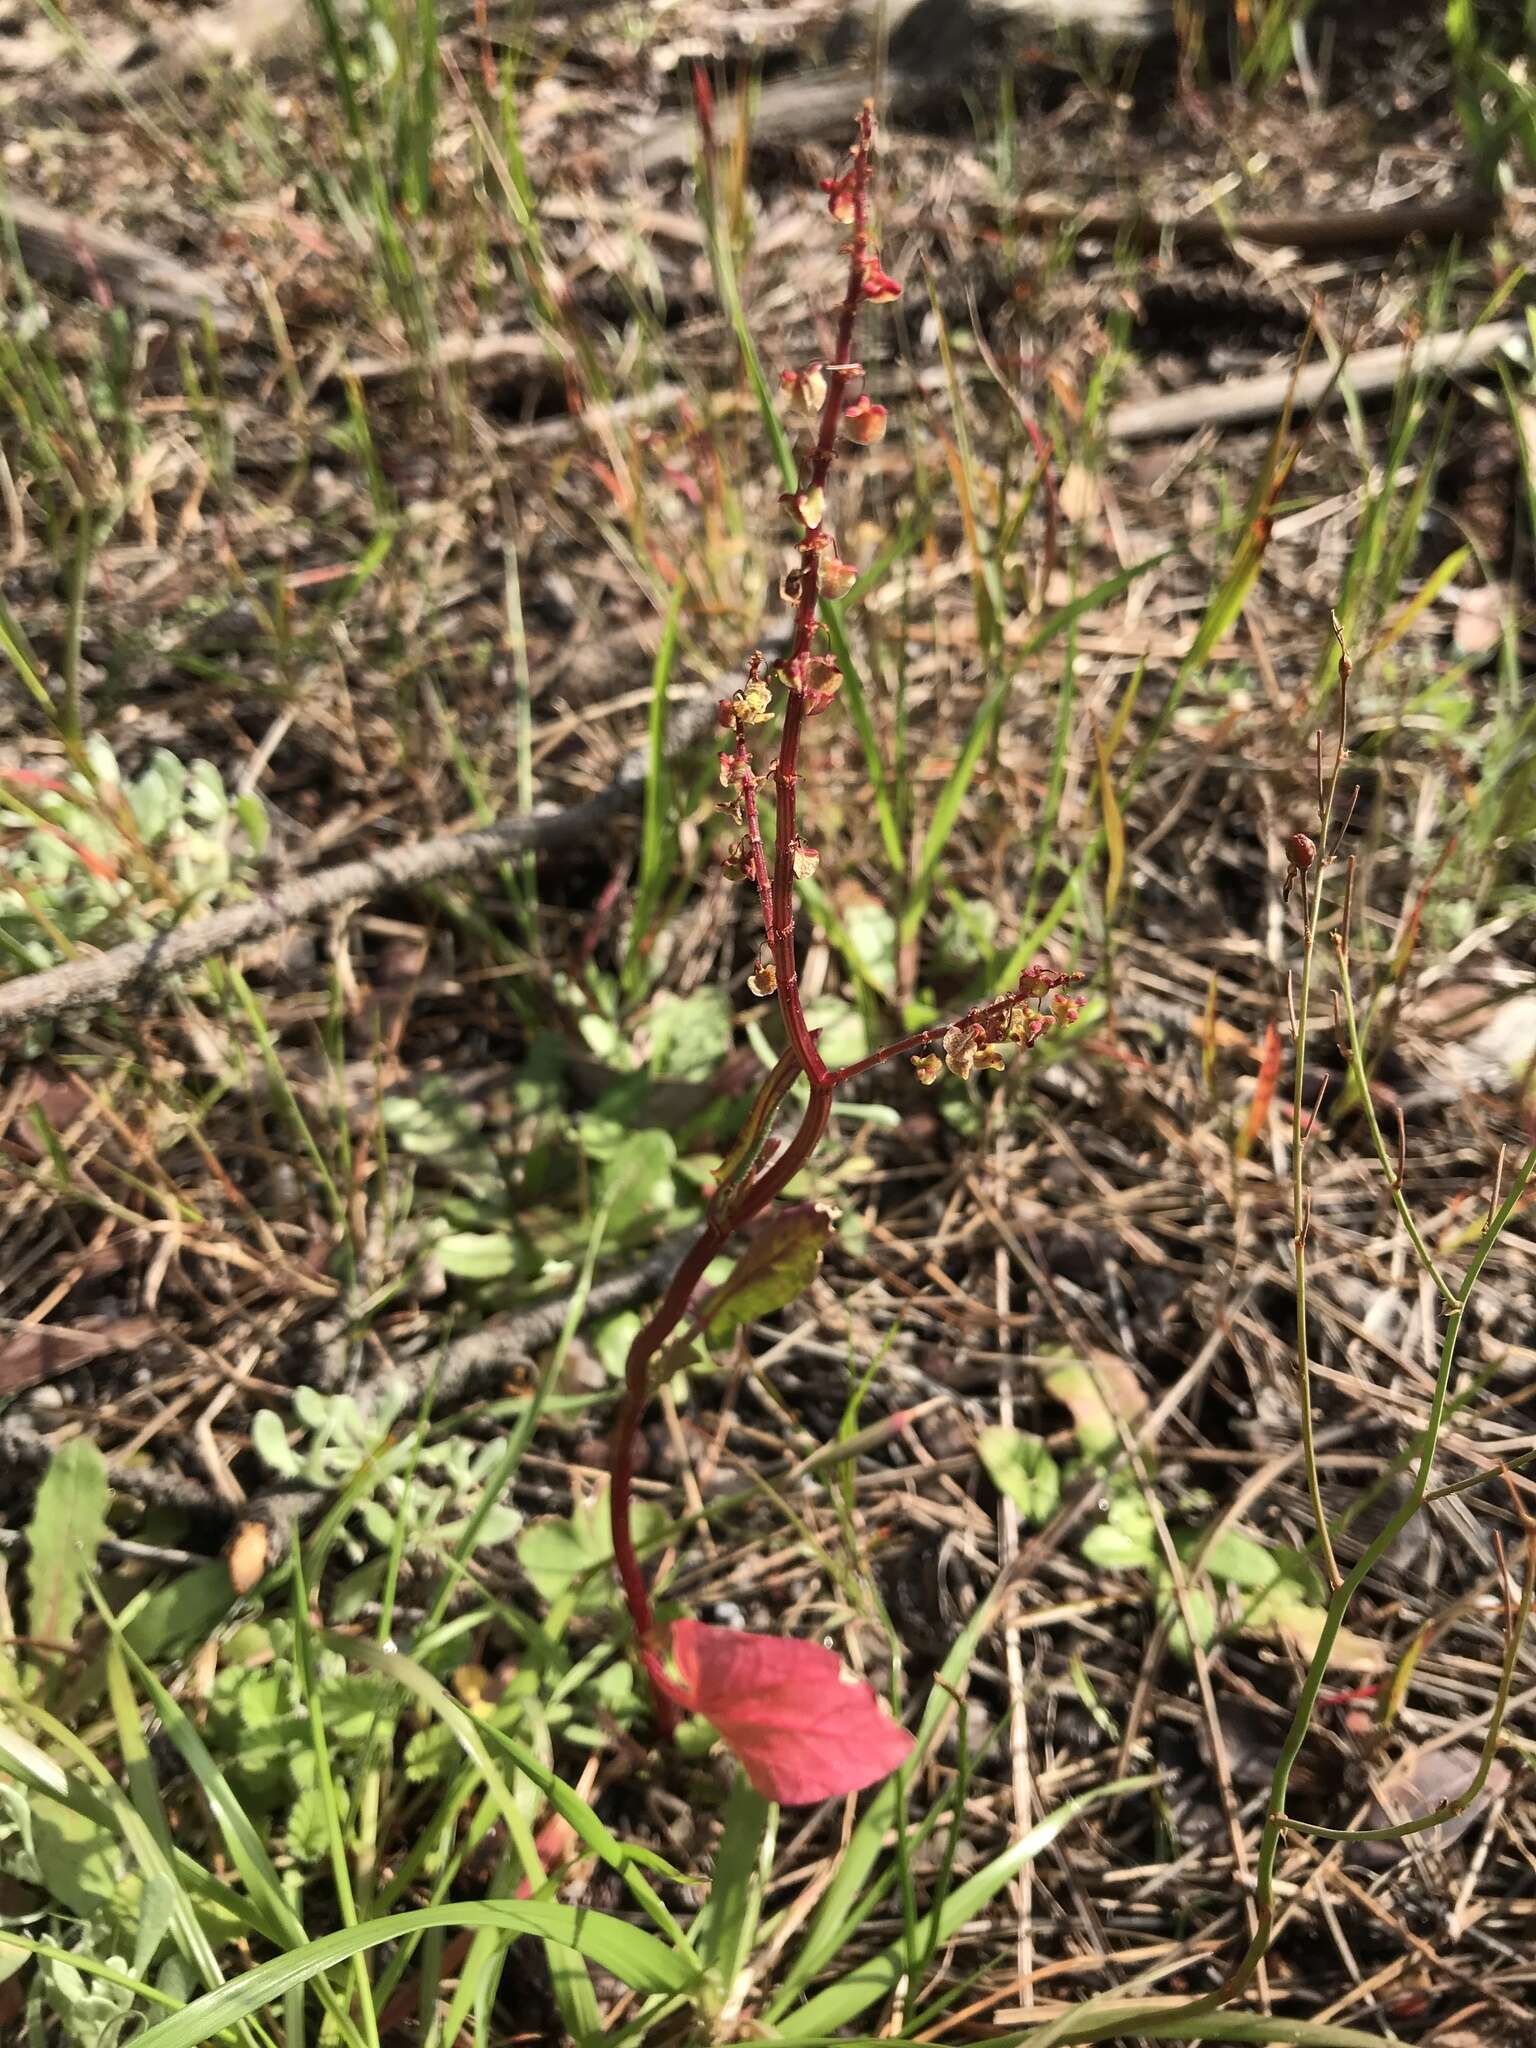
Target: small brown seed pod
1300,851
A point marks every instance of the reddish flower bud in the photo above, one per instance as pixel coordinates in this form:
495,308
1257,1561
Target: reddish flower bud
839,191
818,679
1300,851
864,421
879,287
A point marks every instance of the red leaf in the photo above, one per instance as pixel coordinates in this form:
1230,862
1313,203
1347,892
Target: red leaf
802,1728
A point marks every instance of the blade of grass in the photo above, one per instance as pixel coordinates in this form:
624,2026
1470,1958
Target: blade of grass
873,1979
957,785
656,855
637,1959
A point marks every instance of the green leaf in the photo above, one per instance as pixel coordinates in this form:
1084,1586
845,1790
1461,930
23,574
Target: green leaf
252,813
432,1122
1126,1540
777,1265
1201,1611
1020,1465
477,1254
574,1554
269,1440
81,1861
727,1922
1242,1562
1284,1614
689,1035
1097,1391
864,1985
612,1338
1114,1550
636,1958
1114,830
68,1524
637,1179
184,1612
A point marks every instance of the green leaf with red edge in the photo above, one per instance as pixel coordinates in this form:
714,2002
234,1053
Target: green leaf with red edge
779,1263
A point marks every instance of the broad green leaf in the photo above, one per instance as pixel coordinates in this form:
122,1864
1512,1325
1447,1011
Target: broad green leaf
68,1523
183,1612
1116,1550
269,1440
777,1266
1198,1605
477,1254
636,1958
81,1861
1284,1614
574,1553
612,1338
1241,1562
1097,1391
1020,1465
637,1179
689,1035
1126,1539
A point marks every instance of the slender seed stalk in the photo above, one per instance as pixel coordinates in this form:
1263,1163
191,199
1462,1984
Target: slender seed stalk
757,1170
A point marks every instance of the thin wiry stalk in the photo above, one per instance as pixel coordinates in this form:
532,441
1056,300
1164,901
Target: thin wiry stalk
1311,891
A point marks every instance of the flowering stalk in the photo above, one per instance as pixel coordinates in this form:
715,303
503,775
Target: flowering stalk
758,1169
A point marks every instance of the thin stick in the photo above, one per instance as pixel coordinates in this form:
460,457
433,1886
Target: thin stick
135,970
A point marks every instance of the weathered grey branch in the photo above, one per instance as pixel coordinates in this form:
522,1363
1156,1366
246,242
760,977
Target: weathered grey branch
1258,398
134,969
465,1369
1468,217
79,254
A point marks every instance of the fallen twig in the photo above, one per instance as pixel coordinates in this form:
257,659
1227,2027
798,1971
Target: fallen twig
268,1520
83,256
465,1369
1466,218
139,966
1264,397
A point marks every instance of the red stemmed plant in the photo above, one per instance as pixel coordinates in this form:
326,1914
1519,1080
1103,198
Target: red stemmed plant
801,1730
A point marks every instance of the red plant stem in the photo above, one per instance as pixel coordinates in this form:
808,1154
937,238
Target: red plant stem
776,894
781,935
754,1196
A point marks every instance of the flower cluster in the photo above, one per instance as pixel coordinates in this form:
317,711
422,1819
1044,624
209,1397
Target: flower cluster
971,1044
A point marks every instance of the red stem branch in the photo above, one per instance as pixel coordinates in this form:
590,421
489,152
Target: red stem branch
747,1187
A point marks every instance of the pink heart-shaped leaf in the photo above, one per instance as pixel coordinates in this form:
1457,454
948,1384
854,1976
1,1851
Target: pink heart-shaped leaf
802,1728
